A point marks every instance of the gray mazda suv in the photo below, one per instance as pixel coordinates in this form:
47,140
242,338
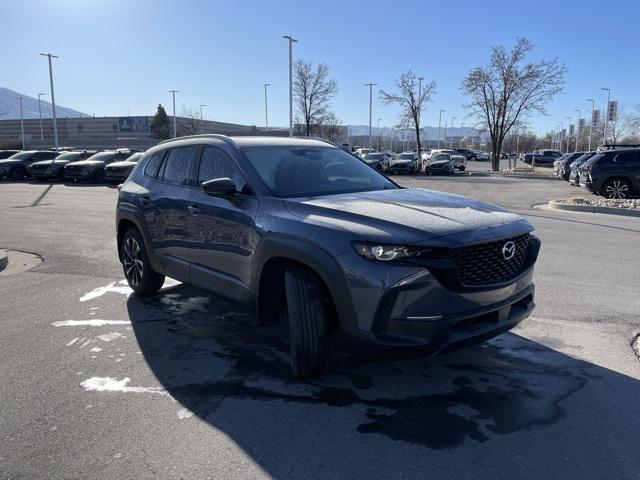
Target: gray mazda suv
306,233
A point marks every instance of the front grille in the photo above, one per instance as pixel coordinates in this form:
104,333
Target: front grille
74,168
485,264
39,167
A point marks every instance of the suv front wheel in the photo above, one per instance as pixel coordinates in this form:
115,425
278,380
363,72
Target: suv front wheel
142,279
308,323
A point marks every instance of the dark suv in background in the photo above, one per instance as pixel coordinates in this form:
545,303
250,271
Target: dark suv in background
468,154
118,172
17,166
92,168
612,173
50,169
301,230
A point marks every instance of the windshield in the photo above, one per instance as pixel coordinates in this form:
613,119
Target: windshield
20,156
406,156
102,156
69,156
134,158
439,157
309,171
373,156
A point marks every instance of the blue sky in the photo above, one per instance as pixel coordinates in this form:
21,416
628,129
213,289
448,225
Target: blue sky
119,56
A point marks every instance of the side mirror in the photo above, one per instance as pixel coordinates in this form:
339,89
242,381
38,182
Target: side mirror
219,187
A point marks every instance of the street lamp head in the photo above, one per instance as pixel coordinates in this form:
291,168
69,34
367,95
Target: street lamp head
578,110
605,88
203,104
267,84
49,55
420,78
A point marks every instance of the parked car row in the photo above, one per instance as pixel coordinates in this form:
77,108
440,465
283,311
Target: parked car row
72,165
611,173
542,157
409,163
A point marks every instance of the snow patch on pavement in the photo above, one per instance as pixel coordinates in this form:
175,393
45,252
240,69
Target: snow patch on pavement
184,413
121,287
110,384
89,323
107,337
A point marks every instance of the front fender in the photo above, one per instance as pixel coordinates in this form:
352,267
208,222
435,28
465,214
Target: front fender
316,258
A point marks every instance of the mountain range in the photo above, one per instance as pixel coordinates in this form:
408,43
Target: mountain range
10,107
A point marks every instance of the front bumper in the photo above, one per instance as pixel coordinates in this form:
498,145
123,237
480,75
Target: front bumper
79,174
403,168
401,308
114,177
439,168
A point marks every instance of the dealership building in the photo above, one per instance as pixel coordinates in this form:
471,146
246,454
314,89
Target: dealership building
112,132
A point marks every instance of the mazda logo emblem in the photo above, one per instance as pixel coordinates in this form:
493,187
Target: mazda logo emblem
508,250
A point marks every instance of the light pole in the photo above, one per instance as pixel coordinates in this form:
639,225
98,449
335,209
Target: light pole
266,107
577,127
291,41
202,117
370,85
568,133
561,135
606,115
175,129
439,126
593,106
53,100
40,114
446,123
452,119
378,139
461,133
21,124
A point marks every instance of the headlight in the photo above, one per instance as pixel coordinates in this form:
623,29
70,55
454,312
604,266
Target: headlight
384,253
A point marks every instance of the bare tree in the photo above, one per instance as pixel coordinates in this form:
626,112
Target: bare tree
412,98
332,126
190,123
507,90
313,90
620,126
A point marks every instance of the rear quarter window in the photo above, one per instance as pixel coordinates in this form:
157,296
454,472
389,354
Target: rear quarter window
153,165
176,165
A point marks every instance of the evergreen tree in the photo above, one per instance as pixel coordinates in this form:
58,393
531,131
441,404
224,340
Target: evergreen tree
160,125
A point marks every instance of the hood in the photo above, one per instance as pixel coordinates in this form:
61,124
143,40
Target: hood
86,163
47,163
438,162
410,216
122,164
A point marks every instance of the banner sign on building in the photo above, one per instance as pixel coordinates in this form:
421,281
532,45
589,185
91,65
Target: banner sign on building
133,124
612,111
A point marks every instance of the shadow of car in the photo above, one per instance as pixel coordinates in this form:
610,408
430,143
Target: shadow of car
503,397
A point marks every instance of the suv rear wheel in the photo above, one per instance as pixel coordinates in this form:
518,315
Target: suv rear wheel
308,323
142,279
616,188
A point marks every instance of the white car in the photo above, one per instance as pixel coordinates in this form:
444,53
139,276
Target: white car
361,152
459,161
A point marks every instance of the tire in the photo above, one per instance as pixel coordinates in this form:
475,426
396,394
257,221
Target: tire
142,279
616,188
462,168
308,323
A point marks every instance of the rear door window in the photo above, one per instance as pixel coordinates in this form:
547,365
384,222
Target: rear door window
176,165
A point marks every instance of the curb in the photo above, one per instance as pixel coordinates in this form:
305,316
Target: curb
4,259
623,212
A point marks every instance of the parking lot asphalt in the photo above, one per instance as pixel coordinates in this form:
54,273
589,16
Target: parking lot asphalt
97,383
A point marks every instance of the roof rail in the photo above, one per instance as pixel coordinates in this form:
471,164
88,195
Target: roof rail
218,136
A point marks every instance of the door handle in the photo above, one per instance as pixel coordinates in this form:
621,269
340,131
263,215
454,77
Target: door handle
193,210
145,200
